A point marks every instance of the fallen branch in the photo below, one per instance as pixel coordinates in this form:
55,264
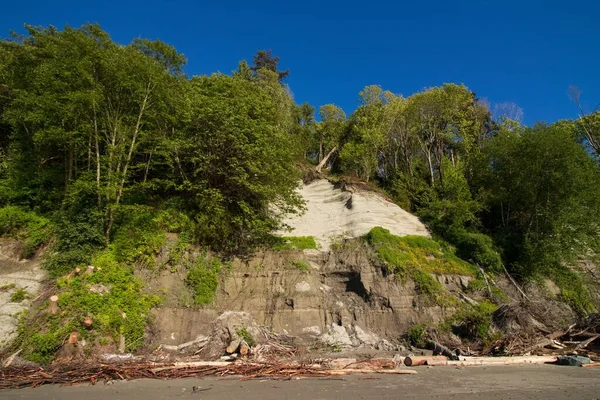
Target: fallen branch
189,364
585,343
443,350
596,364
515,283
324,160
487,284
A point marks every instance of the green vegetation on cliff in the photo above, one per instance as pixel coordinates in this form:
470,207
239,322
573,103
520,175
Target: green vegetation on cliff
106,149
418,258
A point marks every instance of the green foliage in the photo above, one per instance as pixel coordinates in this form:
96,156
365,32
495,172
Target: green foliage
418,258
476,247
140,235
572,289
542,190
300,265
19,295
7,287
234,190
246,336
181,247
122,309
78,235
43,347
415,335
124,296
295,243
26,226
203,279
473,322
404,252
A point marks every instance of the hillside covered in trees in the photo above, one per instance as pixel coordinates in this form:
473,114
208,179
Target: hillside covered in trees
106,148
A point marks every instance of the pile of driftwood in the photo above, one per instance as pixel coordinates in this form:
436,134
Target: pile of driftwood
577,338
12,378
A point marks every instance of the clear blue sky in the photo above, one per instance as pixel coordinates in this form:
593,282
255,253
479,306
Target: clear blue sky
527,52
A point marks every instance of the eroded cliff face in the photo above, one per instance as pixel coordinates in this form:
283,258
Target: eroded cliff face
16,276
341,296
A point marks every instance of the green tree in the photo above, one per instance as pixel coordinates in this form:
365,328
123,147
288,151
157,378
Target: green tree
542,190
264,59
330,129
237,162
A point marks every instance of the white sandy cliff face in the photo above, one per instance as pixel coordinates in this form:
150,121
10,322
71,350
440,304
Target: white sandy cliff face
332,213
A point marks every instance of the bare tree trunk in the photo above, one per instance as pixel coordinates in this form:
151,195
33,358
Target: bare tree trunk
324,160
321,150
138,125
430,165
147,167
97,156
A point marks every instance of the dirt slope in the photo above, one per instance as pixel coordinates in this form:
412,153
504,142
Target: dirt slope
333,213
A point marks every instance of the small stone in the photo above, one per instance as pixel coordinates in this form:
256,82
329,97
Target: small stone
303,287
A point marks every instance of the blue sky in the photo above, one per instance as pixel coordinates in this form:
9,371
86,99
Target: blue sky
527,52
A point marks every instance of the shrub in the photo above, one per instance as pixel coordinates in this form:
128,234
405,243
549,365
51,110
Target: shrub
203,279
416,336
246,336
139,236
19,295
476,247
78,237
473,322
27,226
572,289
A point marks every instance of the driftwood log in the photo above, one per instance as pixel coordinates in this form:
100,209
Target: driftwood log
469,361
234,346
416,360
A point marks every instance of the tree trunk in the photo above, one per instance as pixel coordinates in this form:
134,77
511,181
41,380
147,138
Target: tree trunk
138,125
324,161
430,165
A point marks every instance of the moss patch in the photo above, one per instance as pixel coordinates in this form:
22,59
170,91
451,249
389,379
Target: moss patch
295,243
418,258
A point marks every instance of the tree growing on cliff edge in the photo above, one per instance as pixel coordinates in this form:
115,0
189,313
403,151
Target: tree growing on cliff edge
94,127
265,59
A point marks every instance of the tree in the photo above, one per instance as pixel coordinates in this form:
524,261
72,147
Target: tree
331,128
364,139
542,190
588,124
264,60
237,162
85,107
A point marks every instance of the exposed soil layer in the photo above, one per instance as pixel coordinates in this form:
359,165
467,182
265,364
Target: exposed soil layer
345,293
